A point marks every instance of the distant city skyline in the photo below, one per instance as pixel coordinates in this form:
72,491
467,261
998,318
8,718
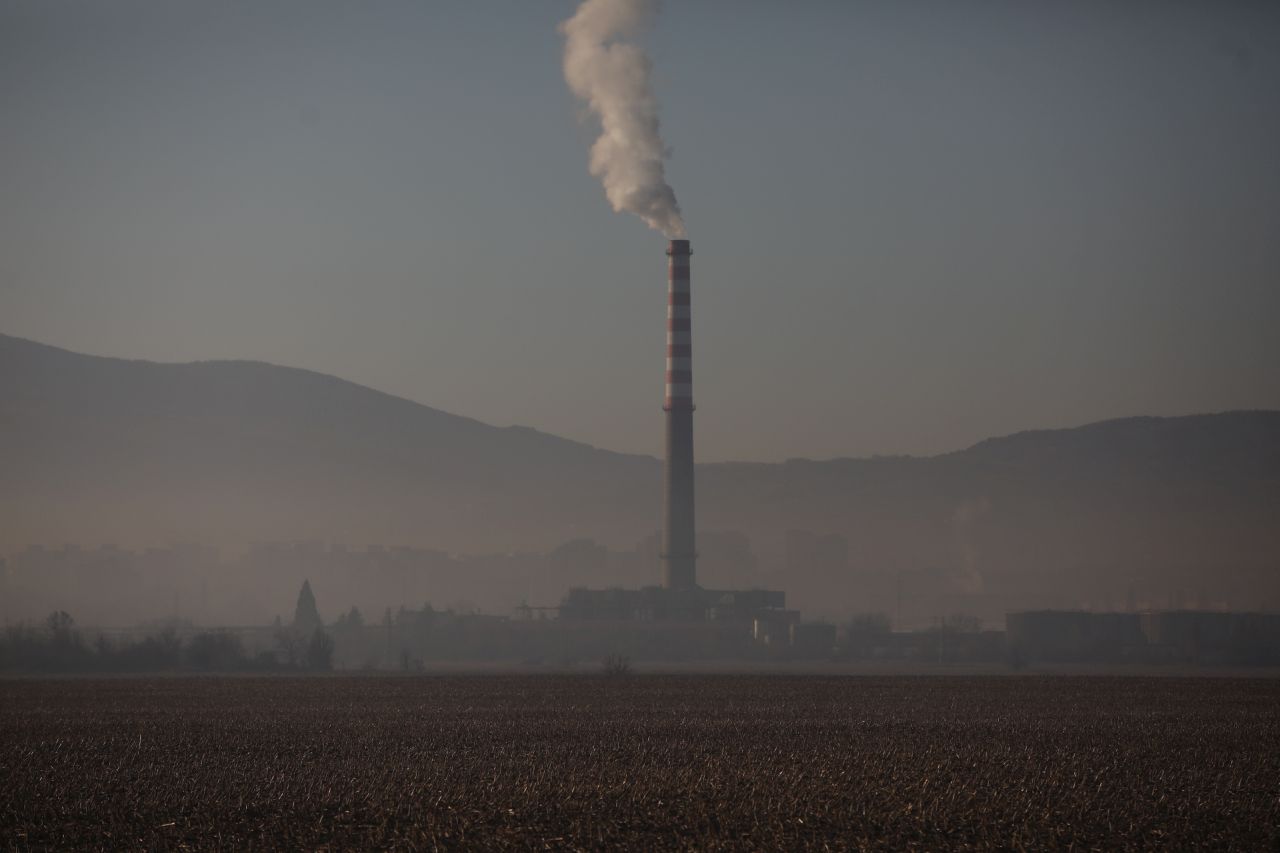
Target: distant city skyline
914,227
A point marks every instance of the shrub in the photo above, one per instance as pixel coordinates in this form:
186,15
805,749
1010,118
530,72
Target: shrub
616,665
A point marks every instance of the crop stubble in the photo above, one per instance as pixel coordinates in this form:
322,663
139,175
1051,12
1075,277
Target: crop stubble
649,761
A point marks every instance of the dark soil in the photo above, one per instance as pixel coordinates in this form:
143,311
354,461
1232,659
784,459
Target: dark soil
747,762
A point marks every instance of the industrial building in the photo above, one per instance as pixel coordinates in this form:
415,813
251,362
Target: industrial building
1173,636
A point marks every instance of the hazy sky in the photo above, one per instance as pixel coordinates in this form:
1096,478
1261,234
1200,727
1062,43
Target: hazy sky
914,225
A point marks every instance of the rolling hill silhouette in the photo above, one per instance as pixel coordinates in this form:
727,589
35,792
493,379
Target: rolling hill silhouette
228,452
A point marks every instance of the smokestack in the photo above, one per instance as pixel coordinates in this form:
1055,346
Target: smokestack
678,549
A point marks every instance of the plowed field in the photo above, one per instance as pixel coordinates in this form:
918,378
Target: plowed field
647,762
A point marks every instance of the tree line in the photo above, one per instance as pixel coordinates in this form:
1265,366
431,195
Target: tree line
58,646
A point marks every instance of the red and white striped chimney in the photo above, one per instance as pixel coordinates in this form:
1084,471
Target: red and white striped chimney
679,345
679,553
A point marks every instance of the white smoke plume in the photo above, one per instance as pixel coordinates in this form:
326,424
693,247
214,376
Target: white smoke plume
611,75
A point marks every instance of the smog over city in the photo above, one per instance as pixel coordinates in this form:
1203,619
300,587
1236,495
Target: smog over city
348,409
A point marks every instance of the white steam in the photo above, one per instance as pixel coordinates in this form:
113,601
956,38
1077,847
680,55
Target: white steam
612,77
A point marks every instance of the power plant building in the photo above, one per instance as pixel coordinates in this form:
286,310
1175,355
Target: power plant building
1187,636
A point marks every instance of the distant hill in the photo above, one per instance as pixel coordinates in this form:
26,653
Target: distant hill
107,450
104,449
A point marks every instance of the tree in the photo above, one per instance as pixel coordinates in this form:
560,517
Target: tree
66,647
320,651
216,650
352,619
61,626
288,643
306,618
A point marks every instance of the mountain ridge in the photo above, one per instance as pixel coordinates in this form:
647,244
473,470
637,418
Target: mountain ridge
7,342
234,451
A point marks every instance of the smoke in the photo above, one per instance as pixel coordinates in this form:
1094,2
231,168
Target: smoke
612,77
